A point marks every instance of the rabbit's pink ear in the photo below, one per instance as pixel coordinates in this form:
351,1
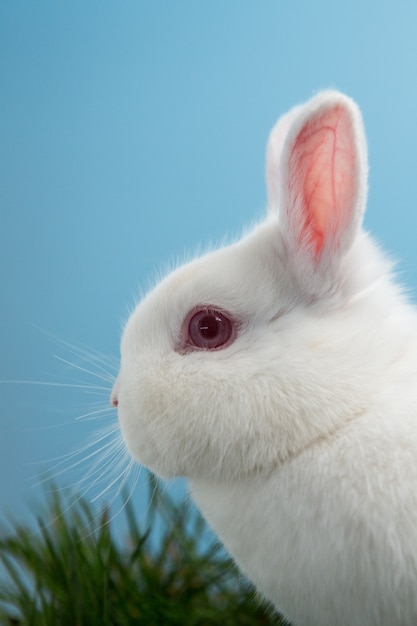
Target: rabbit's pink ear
323,173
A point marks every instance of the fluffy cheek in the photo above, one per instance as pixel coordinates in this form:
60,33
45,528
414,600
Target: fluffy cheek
160,416
195,420
141,424
178,420
138,434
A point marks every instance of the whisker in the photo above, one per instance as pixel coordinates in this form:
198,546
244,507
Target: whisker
101,467
99,392
51,384
132,471
119,453
92,415
60,461
87,417
94,453
108,378
77,348
98,360
121,463
122,473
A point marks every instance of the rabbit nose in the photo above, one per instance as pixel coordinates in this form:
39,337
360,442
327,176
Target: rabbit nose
114,401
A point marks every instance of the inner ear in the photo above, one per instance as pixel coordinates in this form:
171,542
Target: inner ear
322,179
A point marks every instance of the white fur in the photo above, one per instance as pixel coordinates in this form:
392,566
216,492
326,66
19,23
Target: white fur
299,438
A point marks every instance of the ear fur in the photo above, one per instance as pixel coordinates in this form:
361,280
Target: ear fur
317,180
275,145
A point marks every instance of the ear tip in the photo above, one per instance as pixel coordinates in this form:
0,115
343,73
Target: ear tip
289,125
332,96
329,98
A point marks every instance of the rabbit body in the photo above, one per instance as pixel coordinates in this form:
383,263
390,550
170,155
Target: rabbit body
330,537
278,374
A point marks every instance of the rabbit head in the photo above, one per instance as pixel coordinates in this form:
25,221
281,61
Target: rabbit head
239,360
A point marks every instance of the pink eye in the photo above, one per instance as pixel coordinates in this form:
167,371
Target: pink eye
210,329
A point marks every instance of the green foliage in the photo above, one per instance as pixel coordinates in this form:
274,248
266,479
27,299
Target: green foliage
72,572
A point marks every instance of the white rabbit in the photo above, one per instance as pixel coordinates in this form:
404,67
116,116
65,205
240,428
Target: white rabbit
279,375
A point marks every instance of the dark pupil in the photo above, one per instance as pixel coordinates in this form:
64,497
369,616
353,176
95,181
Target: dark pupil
209,326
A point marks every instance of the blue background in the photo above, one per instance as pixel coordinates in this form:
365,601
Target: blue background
132,131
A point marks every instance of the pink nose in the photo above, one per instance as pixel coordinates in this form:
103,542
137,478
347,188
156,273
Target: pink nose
114,400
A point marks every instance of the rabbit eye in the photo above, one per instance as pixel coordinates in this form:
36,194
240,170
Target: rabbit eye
210,329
